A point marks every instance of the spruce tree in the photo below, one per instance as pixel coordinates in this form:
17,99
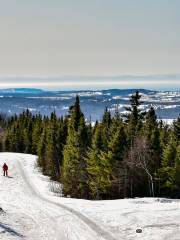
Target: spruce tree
134,116
61,138
166,172
28,137
116,152
176,129
177,173
74,171
150,123
106,124
98,167
36,134
52,158
41,150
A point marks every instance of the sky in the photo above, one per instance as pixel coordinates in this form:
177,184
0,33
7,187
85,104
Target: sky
90,43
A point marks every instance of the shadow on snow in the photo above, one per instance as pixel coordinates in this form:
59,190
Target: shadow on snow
11,231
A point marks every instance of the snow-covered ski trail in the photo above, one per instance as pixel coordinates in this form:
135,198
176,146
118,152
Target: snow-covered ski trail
33,212
25,217
100,232
30,215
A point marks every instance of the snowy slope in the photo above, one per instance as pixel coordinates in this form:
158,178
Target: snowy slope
32,211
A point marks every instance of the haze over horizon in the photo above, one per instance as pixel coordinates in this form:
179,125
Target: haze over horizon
121,43
153,82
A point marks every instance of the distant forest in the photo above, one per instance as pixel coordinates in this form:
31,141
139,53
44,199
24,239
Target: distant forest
121,156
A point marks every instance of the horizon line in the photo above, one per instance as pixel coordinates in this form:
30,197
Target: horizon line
90,75
89,90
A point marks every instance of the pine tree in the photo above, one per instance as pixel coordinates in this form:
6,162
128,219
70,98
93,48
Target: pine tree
176,129
117,121
116,152
152,132
1,145
150,123
106,124
134,116
75,114
7,141
52,158
41,150
36,134
98,167
74,171
166,172
177,173
28,137
61,138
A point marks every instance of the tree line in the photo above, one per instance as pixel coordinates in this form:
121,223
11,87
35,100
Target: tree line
130,155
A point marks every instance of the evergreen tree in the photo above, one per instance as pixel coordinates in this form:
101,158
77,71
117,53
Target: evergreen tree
74,171
28,137
150,123
152,133
177,173
98,167
134,116
51,155
36,134
166,172
41,150
61,138
106,124
176,129
117,147
75,114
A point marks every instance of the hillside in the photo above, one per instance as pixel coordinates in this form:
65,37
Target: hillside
93,103
32,211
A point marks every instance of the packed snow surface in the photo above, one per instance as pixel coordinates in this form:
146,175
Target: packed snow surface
32,211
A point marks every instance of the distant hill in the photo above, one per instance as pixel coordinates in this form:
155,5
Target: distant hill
21,91
93,103
40,91
126,91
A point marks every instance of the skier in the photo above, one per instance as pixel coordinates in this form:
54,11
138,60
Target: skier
5,169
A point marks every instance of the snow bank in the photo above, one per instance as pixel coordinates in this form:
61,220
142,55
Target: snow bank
158,218
30,212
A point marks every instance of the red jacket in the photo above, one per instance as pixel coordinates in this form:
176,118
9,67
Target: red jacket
5,167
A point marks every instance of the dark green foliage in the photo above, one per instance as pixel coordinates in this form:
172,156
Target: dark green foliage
36,132
134,112
168,166
41,150
98,166
116,151
121,156
134,117
176,128
177,173
74,171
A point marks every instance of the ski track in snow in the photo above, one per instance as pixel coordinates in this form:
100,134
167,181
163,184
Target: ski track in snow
102,233
33,212
41,218
26,217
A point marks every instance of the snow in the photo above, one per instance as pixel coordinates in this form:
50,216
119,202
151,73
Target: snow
86,94
171,106
32,211
168,121
65,108
50,98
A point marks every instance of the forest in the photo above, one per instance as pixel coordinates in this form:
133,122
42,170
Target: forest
122,156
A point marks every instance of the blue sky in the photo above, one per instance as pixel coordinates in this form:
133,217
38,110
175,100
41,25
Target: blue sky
44,39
